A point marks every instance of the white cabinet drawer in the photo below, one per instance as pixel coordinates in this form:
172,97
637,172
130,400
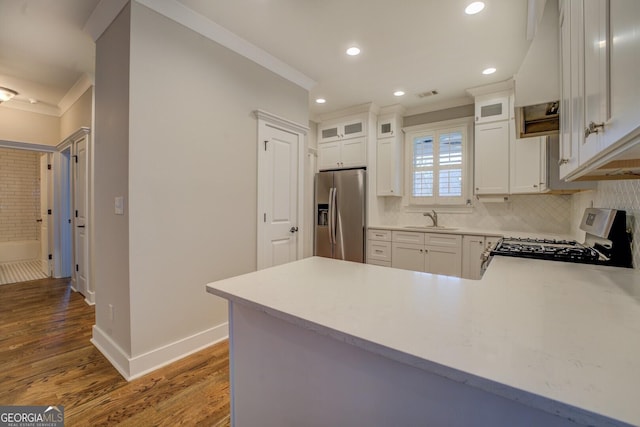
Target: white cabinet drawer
379,250
384,235
443,240
378,262
407,237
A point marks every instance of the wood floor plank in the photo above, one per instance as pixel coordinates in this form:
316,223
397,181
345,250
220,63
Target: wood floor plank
46,358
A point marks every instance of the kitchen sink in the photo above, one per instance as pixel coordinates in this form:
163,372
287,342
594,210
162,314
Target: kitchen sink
430,227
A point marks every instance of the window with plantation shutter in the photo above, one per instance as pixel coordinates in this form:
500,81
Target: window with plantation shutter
438,165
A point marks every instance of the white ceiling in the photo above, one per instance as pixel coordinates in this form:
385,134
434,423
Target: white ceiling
412,45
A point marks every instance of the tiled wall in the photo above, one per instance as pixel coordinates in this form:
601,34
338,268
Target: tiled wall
531,213
19,195
624,194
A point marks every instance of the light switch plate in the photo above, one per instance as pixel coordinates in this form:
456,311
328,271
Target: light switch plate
119,205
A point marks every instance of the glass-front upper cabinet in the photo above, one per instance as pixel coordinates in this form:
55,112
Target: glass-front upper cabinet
492,108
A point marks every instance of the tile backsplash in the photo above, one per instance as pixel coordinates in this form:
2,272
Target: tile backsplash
550,214
624,194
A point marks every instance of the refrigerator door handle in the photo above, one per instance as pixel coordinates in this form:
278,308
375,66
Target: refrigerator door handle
330,215
334,219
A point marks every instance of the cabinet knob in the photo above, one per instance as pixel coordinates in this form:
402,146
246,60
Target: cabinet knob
535,185
477,189
391,191
563,162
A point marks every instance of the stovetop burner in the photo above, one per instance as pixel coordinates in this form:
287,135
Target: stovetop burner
548,249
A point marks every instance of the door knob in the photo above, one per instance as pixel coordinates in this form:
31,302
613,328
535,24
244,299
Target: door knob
80,226
293,229
39,220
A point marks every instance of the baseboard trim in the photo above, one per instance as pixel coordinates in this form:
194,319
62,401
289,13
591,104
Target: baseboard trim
111,351
134,367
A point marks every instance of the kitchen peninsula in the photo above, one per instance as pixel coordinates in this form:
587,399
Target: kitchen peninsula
325,342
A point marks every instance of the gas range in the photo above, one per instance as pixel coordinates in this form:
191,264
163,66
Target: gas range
548,249
607,242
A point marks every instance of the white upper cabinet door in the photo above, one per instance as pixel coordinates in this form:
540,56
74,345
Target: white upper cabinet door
353,152
596,92
329,133
492,158
492,108
355,128
329,155
568,154
387,126
624,65
389,167
527,155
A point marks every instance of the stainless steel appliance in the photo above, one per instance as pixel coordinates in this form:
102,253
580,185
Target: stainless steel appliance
607,242
340,214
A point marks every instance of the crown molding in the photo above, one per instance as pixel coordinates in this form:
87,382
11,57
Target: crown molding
38,108
76,91
217,33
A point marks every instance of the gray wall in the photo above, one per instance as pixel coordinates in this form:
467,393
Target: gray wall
186,161
111,178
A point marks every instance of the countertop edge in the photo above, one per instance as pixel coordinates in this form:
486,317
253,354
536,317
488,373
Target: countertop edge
533,400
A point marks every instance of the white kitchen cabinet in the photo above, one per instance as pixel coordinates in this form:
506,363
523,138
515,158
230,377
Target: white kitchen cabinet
346,153
408,256
569,146
596,92
472,248
342,143
389,156
388,126
492,107
491,158
427,252
528,165
343,129
379,246
600,86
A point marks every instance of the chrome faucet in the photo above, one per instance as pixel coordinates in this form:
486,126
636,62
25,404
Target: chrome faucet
434,217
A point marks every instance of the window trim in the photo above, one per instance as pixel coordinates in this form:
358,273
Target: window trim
465,126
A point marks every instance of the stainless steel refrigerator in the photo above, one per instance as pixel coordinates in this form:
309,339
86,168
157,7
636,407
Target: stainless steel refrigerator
340,214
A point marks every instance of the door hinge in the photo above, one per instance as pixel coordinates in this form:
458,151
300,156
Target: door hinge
76,213
265,145
50,256
49,167
265,217
75,158
69,221
48,211
77,267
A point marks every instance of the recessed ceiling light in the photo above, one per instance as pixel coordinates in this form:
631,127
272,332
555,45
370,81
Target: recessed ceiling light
320,101
398,93
489,70
474,8
353,51
33,101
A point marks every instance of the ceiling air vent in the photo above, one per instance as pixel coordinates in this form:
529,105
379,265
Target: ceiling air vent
428,93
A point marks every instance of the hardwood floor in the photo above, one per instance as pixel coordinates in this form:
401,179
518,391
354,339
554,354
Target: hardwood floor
46,359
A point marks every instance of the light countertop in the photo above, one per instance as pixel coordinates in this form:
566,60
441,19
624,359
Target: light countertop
560,337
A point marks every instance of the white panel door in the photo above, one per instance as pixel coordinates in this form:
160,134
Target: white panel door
45,179
280,216
80,220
